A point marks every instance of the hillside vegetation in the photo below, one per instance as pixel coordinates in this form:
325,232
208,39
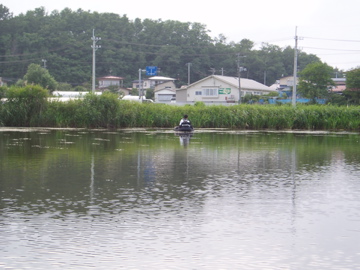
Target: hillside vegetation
61,42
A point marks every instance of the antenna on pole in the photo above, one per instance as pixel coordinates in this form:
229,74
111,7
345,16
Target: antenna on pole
295,69
239,69
212,70
44,61
94,47
188,64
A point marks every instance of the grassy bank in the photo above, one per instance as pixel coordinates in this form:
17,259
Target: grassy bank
107,111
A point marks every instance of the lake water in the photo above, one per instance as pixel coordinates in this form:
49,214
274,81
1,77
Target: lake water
150,199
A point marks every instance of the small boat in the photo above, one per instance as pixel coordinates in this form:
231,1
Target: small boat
184,127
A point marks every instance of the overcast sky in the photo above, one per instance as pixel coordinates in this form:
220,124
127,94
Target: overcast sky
328,28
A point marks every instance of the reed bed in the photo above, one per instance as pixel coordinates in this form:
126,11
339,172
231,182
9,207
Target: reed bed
107,111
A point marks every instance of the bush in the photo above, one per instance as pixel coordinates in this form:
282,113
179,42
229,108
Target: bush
98,110
80,88
64,87
37,75
199,104
3,91
24,105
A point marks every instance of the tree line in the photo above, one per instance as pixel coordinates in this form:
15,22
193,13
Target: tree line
61,42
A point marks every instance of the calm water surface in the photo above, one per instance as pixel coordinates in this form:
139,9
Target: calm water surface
150,199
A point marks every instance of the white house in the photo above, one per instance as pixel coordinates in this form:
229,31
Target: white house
285,83
105,82
151,82
220,89
146,84
164,90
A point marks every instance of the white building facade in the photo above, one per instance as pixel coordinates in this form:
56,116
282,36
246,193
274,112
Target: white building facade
165,92
220,89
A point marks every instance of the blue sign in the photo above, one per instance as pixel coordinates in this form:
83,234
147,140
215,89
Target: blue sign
151,71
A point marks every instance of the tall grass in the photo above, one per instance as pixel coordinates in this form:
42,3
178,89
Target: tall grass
29,107
24,106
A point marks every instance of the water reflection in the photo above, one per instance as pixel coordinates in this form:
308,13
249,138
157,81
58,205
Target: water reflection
140,200
184,137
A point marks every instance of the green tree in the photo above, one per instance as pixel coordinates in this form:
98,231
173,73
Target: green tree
352,92
64,87
41,76
315,80
3,90
337,99
5,13
149,93
63,38
353,79
273,63
113,89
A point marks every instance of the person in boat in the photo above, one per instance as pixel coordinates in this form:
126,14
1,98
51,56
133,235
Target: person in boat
185,120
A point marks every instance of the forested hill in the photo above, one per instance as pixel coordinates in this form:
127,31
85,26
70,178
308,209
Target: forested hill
63,39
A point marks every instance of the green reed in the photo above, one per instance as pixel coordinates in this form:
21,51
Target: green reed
30,107
24,106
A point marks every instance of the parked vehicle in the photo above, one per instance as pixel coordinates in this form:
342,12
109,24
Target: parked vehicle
137,99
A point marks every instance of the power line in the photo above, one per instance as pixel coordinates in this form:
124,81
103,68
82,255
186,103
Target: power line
20,61
329,49
330,39
27,54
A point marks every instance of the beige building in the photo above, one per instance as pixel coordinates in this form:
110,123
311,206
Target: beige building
164,92
105,82
288,81
220,89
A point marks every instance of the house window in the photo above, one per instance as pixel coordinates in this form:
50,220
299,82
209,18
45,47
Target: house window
198,93
210,92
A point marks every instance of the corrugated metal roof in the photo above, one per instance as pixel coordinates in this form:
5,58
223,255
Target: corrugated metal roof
246,84
160,78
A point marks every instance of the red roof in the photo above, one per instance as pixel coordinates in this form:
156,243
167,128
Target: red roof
338,88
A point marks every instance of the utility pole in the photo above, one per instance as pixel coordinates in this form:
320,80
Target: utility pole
140,85
188,64
94,47
295,69
239,71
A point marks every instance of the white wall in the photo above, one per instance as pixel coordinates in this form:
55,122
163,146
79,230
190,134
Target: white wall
229,91
72,93
164,95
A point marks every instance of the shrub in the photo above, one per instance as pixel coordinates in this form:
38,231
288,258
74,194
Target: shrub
98,110
24,105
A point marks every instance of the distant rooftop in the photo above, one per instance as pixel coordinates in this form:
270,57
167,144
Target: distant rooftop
111,78
160,78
